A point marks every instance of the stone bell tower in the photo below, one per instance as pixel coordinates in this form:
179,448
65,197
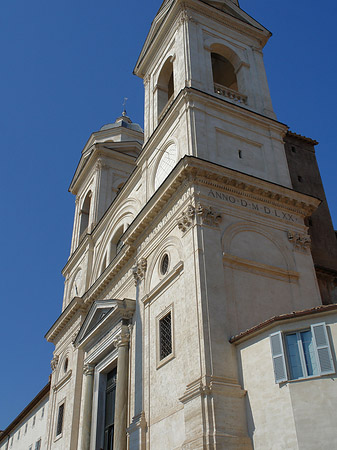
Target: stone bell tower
208,113
179,244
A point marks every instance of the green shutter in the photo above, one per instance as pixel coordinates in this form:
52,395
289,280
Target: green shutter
280,369
323,351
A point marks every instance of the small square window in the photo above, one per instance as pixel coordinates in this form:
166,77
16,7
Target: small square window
301,354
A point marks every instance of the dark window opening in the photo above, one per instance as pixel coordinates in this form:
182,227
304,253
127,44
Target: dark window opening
240,154
300,179
165,333
85,211
223,72
110,398
293,149
60,420
165,86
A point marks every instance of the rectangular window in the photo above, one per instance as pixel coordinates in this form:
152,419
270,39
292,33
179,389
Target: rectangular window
59,426
301,354
38,445
165,336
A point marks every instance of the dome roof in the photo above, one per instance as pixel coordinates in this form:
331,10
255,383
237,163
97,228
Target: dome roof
123,121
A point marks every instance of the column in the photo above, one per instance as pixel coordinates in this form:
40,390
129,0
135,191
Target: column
122,343
87,393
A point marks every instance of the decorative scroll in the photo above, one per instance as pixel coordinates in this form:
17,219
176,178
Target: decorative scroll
139,270
300,241
123,338
88,369
54,362
186,218
208,215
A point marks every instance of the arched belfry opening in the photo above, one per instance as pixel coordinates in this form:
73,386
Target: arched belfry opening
165,86
223,72
84,213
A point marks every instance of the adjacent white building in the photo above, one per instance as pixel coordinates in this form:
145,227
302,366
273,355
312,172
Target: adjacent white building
195,314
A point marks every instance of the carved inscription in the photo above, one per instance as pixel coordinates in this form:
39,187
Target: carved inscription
268,211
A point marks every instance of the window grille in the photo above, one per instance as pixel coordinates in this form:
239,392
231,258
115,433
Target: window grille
60,420
164,264
165,332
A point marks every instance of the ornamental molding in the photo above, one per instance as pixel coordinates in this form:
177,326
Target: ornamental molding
185,17
88,369
139,270
54,363
205,174
122,339
208,215
146,80
212,385
300,241
254,192
185,221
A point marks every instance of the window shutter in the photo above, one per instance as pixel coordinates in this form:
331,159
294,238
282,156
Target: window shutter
323,350
279,362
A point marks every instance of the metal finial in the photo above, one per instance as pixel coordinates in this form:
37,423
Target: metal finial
124,103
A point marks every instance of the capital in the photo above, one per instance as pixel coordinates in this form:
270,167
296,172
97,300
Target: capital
122,339
88,369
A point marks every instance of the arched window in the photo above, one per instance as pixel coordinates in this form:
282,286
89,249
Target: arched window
84,213
223,72
165,86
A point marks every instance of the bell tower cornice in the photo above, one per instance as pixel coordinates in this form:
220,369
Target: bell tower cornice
227,12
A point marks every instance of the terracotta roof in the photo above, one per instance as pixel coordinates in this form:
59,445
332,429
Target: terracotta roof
272,320
25,411
303,138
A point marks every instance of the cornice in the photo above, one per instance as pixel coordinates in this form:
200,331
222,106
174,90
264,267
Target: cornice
102,149
190,94
273,321
257,31
193,171
74,306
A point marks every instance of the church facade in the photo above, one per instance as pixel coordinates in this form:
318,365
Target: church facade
199,308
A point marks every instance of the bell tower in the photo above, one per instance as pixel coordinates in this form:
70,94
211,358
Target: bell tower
206,90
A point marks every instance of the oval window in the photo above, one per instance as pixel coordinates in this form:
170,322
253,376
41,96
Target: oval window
164,264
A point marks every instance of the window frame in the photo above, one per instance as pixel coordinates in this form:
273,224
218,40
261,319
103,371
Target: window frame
60,435
322,351
169,357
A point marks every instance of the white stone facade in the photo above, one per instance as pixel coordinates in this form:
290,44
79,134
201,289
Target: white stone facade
181,242
30,433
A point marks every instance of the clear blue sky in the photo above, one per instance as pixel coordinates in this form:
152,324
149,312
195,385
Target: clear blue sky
65,68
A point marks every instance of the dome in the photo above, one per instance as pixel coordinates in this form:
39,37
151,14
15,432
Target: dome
123,121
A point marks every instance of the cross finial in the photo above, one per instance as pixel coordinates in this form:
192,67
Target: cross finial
124,103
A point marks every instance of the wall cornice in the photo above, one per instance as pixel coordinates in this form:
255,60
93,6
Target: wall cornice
189,172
